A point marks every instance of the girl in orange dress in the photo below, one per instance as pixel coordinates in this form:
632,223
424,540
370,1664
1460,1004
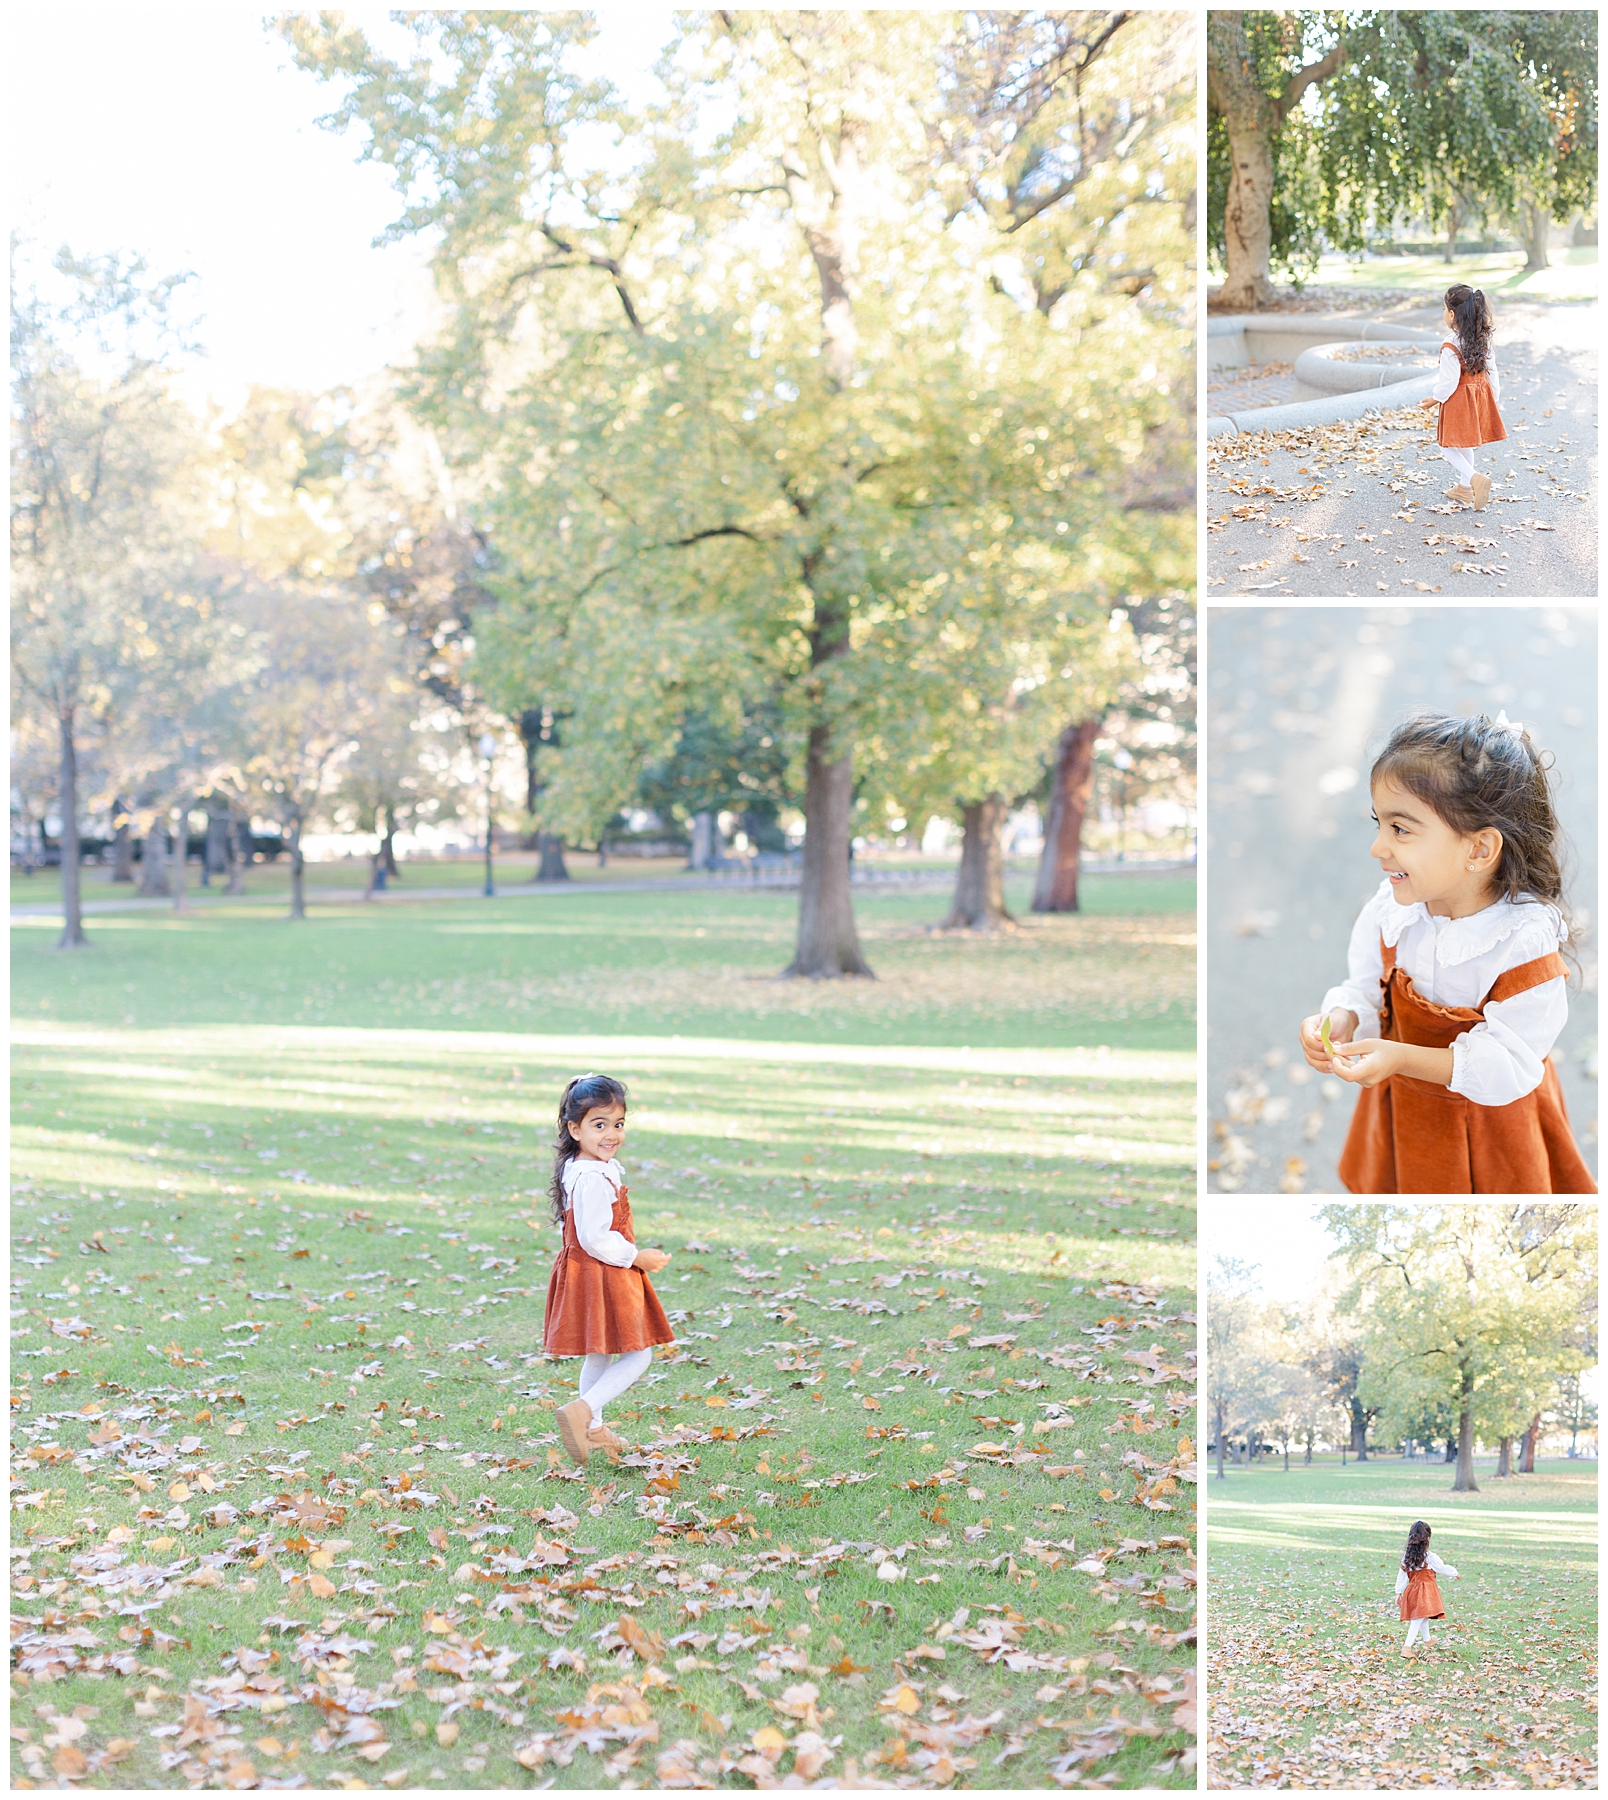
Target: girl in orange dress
1467,388
1456,990
1417,1592
600,1302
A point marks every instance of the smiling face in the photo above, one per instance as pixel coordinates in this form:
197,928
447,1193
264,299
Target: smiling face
1426,859
600,1133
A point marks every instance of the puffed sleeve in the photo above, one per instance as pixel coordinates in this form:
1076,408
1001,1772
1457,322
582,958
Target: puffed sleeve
1503,1058
1494,374
1401,1581
1447,375
1441,1568
1359,992
592,1202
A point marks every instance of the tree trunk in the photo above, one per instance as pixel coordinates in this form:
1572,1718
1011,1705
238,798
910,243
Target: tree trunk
1463,1481
298,891
181,851
1251,120
828,944
1219,1443
701,853
1307,1459
1454,213
1527,1446
1056,887
1451,1450
123,846
1504,1457
233,861
215,858
1359,1432
550,864
388,848
1286,1458
153,863
72,909
979,902
1537,230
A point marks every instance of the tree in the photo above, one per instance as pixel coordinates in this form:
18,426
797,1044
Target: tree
320,665
706,434
1323,125
1236,1367
96,443
1558,53
1475,1304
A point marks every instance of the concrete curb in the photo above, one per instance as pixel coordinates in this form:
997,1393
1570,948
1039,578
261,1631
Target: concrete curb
1345,391
1337,409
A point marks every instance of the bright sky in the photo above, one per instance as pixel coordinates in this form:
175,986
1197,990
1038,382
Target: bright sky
1283,1238
183,132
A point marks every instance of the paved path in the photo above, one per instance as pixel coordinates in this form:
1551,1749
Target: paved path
1301,699
742,883
1340,511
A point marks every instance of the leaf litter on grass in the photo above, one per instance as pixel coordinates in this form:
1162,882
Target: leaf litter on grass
392,1570
1308,1686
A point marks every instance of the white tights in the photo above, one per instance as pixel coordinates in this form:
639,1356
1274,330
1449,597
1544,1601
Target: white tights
1416,1628
1462,462
605,1378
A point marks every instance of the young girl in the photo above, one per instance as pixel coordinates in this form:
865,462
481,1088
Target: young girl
1456,991
1467,388
600,1303
1416,1590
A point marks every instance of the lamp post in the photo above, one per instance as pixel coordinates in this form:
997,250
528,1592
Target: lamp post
487,745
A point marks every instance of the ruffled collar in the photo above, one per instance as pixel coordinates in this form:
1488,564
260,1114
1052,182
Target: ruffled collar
1461,940
576,1165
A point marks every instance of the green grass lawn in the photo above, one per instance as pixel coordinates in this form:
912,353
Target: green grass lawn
699,963
290,1505
1572,275
1307,1686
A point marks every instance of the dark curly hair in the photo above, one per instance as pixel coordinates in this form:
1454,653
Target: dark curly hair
582,1094
1416,1555
1480,775
1472,312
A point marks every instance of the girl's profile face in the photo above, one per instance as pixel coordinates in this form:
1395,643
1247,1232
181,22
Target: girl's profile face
1425,859
600,1133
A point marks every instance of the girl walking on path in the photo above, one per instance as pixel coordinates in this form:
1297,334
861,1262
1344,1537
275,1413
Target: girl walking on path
1417,1592
1467,388
1456,992
600,1302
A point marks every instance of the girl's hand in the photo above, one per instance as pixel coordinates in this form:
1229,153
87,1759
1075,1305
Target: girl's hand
1342,1023
650,1262
1429,402
1370,1061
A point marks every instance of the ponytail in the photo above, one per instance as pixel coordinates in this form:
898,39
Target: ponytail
1471,312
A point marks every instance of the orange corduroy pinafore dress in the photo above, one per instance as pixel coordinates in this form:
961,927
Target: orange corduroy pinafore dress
1420,1599
1469,418
594,1308
1416,1137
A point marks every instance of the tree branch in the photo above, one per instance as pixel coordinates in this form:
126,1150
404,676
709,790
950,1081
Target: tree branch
1310,76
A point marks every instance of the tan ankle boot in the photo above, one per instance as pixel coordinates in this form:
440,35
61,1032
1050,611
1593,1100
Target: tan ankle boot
1462,494
601,1438
573,1422
1482,491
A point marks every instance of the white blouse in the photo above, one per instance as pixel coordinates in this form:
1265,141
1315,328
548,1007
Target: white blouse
1450,373
1455,962
590,1198
1432,1562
